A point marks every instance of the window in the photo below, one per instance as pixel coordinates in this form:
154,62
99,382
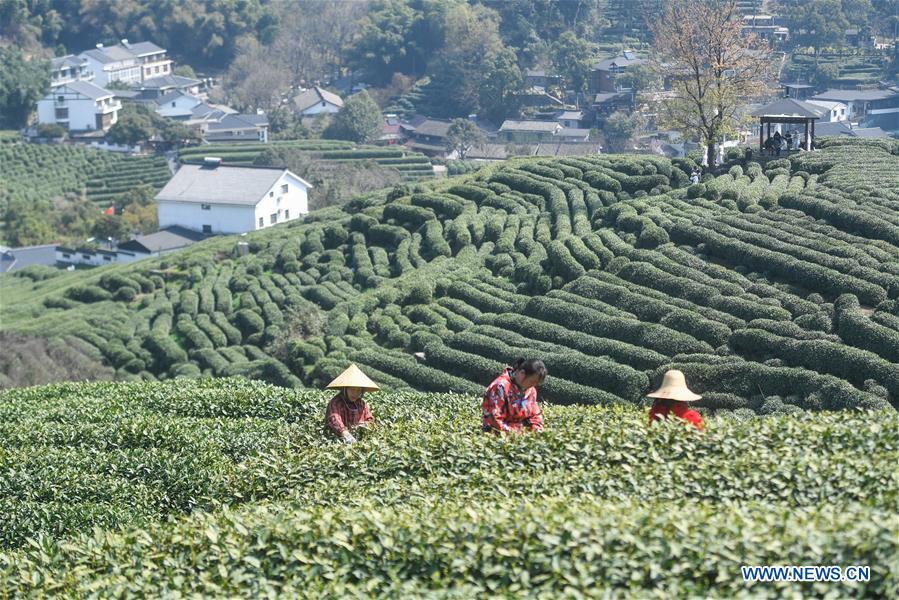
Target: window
66,255
86,256
205,207
107,258
261,222
207,228
273,218
62,114
286,214
173,104
60,98
271,194
284,189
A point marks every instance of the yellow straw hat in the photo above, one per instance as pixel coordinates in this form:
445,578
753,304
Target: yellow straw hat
353,377
674,387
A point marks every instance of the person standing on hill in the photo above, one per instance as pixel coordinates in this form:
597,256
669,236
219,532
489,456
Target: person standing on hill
347,411
510,402
671,400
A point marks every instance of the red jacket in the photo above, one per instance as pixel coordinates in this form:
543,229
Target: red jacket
679,410
343,415
507,408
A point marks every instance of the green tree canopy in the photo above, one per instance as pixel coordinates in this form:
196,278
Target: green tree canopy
22,83
573,59
462,136
359,120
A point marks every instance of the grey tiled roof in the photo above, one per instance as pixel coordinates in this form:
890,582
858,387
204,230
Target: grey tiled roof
220,185
850,95
86,88
169,238
545,126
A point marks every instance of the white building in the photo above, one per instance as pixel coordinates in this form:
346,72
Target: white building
126,62
316,101
69,68
831,112
79,106
216,198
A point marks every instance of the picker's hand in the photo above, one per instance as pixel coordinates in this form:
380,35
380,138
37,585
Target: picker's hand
348,438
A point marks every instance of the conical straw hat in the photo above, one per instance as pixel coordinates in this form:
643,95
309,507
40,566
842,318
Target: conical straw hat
353,377
674,387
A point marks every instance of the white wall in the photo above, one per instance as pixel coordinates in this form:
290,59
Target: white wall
182,106
82,111
294,203
230,218
223,218
321,107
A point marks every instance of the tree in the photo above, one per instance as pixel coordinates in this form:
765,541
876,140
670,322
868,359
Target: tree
572,58
133,127
500,81
471,38
110,226
821,24
22,83
384,44
619,129
462,136
359,120
713,67
638,78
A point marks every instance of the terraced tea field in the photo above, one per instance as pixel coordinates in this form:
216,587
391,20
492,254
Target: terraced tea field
412,166
36,173
775,291
227,488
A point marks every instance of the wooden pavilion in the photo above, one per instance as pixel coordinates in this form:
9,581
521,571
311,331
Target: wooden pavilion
788,111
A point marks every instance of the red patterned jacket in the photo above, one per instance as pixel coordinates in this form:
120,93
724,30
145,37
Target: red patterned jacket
507,408
342,414
681,411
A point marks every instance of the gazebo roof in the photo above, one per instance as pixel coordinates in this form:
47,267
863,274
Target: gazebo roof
789,108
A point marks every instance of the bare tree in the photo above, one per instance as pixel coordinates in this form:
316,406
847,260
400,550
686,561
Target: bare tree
713,67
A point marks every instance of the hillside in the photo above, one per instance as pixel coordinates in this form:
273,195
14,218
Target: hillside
774,290
227,488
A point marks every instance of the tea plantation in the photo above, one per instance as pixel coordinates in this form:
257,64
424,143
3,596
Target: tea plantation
775,289
411,165
34,172
228,488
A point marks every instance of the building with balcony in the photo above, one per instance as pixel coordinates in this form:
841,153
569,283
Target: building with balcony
79,106
127,62
69,68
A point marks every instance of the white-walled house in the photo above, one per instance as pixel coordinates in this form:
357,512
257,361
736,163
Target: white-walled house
126,62
832,112
79,106
69,68
217,198
316,101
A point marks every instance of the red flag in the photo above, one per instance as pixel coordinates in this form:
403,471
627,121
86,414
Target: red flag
110,210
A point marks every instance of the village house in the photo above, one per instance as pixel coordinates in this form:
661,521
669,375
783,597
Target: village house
157,87
163,241
237,128
570,118
84,256
427,136
316,101
79,106
126,62
873,108
69,68
605,72
831,111
527,132
540,78
605,104
766,28
217,198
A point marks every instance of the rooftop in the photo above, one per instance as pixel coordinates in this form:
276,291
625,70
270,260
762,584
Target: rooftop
537,126
312,96
432,128
789,108
850,95
88,89
224,184
169,238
